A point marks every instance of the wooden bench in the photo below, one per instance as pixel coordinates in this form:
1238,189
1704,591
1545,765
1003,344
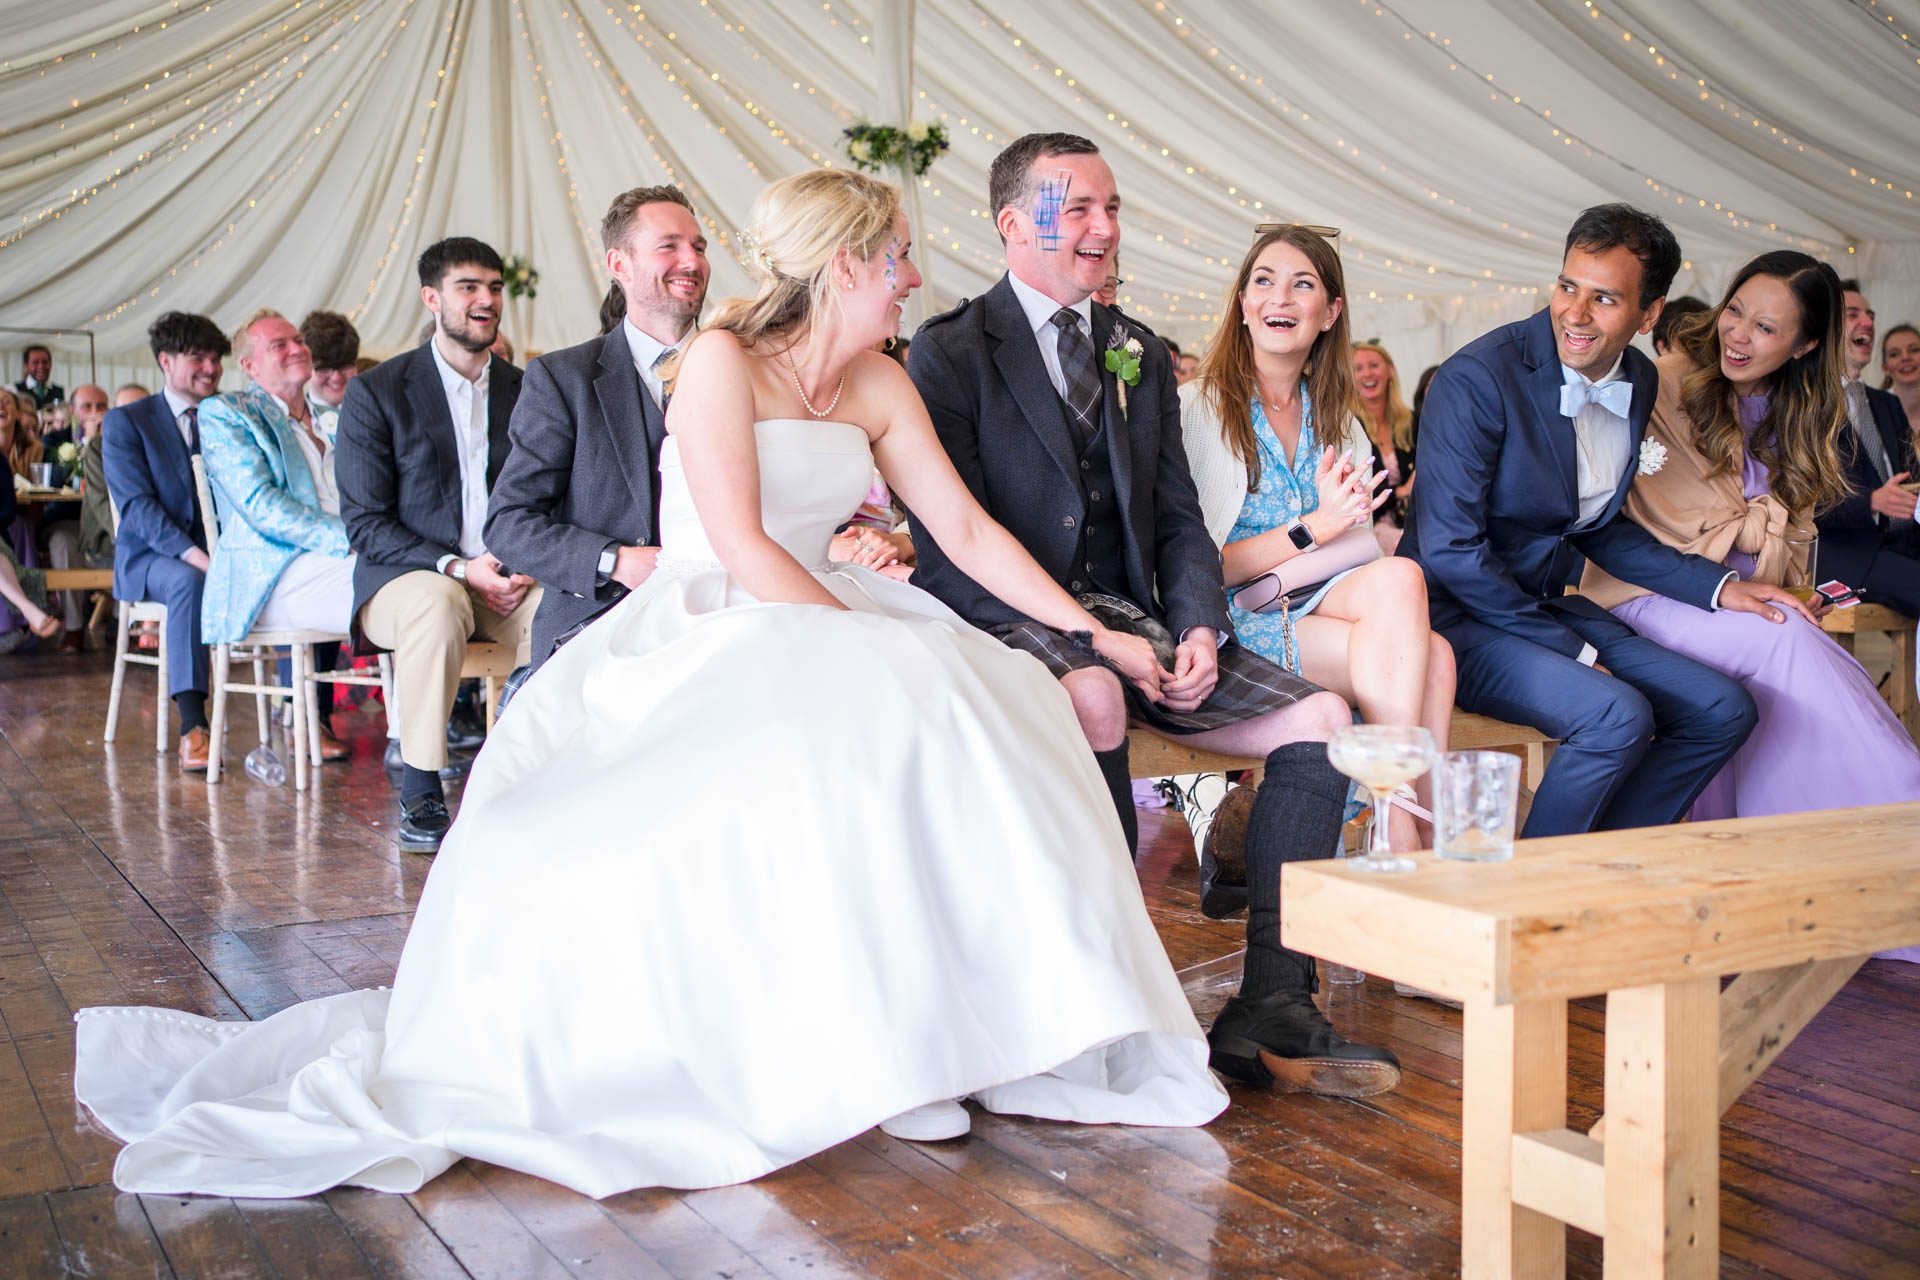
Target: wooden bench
1151,756
490,664
1652,919
79,579
1844,624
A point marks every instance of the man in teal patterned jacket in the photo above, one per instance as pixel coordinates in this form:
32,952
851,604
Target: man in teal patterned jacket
282,559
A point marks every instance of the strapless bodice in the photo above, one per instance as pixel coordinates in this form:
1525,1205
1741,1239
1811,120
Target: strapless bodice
813,475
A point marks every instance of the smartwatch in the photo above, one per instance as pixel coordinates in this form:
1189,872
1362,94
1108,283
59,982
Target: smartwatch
609,561
1300,536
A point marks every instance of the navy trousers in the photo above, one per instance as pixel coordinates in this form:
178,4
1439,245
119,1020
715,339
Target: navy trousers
1636,747
177,585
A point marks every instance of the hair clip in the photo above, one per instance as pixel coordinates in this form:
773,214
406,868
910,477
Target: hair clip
759,256
1331,233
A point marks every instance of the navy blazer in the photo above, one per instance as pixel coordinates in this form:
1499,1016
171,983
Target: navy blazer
985,384
150,479
1491,522
398,466
583,472
1850,533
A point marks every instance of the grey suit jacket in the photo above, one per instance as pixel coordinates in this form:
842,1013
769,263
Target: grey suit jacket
398,468
1004,426
583,475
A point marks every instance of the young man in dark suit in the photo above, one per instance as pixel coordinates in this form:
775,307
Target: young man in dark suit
1529,439
422,439
575,504
1870,541
160,554
1087,470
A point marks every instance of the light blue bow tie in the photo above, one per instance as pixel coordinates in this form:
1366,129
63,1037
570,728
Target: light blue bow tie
1616,397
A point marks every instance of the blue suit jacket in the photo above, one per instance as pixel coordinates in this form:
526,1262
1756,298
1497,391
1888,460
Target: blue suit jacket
268,507
1496,500
150,479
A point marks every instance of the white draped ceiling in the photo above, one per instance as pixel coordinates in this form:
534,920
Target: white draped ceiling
231,154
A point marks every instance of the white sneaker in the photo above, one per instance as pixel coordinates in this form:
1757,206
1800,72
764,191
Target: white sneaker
935,1122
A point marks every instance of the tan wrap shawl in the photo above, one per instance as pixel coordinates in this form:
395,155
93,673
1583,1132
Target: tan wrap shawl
1692,510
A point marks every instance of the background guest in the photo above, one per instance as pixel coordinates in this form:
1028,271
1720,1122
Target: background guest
63,527
1677,311
415,431
36,362
160,551
1869,539
127,392
20,449
1900,363
335,345
502,348
1275,446
1749,411
1389,423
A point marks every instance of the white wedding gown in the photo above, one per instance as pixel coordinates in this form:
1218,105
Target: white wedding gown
731,883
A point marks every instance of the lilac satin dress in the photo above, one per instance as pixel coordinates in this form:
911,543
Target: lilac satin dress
1825,738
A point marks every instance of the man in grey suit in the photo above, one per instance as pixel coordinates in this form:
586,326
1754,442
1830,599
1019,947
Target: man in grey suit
1084,464
422,439
576,503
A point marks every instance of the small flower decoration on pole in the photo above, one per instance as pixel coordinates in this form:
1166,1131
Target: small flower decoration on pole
1653,456
1123,362
875,147
522,280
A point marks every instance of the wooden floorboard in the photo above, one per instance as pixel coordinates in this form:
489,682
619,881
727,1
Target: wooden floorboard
124,882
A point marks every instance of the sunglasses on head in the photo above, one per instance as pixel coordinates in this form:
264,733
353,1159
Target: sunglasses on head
1331,233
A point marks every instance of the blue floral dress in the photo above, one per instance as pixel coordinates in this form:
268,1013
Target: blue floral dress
1286,493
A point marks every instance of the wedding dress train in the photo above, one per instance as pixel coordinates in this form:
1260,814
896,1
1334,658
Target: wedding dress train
730,884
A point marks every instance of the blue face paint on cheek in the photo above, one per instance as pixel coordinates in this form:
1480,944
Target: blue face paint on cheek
893,265
1046,209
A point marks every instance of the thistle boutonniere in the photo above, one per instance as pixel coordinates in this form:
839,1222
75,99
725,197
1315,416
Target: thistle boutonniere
1123,362
1653,456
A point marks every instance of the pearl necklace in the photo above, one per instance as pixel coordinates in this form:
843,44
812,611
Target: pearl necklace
794,370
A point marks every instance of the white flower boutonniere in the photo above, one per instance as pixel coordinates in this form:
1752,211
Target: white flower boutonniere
1653,456
1123,362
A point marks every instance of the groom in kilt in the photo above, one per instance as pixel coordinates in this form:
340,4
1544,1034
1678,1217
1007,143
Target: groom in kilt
1062,416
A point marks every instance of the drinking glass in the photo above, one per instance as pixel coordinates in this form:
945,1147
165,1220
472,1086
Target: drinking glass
1801,581
1475,797
264,766
1380,757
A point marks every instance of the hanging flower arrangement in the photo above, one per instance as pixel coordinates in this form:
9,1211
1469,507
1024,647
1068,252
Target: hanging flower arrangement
522,280
874,147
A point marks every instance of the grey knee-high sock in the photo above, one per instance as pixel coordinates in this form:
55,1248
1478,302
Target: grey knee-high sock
1296,817
1119,779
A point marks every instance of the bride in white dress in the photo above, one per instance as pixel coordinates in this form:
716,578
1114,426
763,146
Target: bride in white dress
775,851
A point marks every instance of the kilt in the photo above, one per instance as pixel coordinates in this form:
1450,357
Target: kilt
1249,685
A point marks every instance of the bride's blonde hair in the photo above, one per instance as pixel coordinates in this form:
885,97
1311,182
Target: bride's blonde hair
797,226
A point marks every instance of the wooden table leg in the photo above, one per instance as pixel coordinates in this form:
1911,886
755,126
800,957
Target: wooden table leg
1514,1080
1663,1131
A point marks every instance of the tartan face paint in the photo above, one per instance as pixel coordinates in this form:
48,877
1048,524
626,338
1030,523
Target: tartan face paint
1046,209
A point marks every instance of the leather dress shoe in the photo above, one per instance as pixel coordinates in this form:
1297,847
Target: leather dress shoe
331,748
423,824
1223,858
73,642
193,751
1285,1041
452,769
464,733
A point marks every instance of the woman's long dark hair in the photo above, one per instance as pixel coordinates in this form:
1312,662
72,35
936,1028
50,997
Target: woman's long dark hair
1807,410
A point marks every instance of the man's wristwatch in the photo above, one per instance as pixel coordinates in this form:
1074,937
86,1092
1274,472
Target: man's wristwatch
457,570
609,561
1300,536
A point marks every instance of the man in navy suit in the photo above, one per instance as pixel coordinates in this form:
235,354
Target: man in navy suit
1870,541
1529,439
160,552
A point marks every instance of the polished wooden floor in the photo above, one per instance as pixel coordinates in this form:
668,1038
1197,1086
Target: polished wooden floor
124,882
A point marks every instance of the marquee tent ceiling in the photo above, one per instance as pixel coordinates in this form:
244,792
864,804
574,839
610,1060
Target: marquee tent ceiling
231,154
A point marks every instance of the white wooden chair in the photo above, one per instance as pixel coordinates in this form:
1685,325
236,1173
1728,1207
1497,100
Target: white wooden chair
261,646
127,614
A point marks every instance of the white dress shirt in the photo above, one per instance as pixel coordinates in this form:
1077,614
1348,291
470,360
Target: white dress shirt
1602,441
647,351
319,459
178,405
1040,311
467,402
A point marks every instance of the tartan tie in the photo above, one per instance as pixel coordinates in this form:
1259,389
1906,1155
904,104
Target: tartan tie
1077,371
666,382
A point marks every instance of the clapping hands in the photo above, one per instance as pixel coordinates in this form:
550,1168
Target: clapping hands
1349,494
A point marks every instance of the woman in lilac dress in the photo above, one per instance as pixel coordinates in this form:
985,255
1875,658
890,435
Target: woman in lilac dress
1739,455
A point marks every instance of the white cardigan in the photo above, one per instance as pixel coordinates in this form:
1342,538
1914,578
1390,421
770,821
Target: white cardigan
1220,477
